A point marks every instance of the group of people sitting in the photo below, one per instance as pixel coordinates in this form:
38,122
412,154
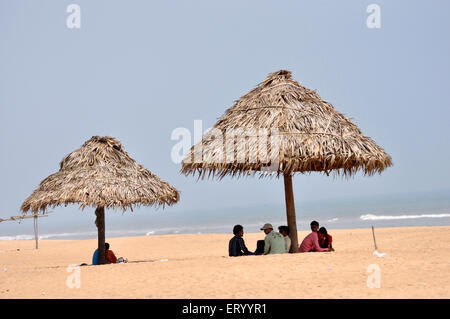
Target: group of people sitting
274,243
280,242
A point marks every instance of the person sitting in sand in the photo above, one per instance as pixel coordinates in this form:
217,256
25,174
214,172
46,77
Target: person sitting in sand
311,243
284,230
325,241
109,256
236,246
95,257
274,242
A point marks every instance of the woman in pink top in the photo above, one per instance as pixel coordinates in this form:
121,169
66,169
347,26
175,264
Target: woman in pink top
311,243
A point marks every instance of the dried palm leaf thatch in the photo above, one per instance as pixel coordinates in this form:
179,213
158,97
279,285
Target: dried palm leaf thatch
285,126
101,174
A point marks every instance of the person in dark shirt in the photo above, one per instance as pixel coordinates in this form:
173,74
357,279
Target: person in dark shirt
259,247
237,246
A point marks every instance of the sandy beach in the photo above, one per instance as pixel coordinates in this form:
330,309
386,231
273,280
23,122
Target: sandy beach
197,266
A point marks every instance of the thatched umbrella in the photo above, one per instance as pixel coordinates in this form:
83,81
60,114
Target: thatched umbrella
102,175
285,128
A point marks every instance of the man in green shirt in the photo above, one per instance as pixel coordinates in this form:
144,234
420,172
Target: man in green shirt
274,242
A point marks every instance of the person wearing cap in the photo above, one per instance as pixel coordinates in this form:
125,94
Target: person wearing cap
274,242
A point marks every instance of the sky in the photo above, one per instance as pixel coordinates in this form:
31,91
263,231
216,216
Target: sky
137,70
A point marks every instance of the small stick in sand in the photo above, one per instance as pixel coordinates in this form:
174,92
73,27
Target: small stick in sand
376,253
374,241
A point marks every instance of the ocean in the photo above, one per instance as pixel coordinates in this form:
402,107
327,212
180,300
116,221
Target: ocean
395,210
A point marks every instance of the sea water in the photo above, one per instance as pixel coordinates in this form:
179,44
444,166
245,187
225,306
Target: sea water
396,210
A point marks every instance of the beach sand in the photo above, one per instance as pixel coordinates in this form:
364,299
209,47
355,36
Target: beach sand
197,266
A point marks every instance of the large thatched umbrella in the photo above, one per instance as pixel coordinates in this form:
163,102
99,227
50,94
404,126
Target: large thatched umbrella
282,127
101,174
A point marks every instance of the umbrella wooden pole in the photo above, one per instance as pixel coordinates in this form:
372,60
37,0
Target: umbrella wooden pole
36,237
290,212
100,223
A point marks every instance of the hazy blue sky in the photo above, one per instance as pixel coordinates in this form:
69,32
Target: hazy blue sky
136,70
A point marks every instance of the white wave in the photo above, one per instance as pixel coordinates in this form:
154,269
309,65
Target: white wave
333,220
68,235
47,236
17,237
149,233
388,217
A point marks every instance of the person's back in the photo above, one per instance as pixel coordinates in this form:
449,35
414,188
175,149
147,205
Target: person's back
287,241
310,244
274,243
259,247
95,257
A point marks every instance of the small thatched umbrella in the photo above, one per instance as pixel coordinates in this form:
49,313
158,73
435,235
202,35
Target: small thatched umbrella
101,174
302,132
